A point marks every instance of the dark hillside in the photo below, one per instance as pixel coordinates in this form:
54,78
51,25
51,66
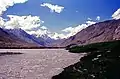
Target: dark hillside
101,62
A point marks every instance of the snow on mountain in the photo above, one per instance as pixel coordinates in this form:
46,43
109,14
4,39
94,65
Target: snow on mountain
25,36
44,33
9,40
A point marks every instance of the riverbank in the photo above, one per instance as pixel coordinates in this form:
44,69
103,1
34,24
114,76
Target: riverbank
32,47
101,62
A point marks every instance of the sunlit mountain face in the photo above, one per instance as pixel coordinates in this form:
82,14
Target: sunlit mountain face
52,19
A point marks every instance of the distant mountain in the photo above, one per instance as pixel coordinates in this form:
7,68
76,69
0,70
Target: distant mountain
19,38
50,41
99,32
21,34
47,40
10,40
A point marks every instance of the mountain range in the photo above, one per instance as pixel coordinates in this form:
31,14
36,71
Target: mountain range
100,32
8,39
21,34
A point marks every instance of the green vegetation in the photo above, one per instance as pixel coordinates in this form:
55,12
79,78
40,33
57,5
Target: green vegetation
102,62
103,46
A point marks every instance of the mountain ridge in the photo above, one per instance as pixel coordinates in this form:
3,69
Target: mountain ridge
21,34
8,39
100,32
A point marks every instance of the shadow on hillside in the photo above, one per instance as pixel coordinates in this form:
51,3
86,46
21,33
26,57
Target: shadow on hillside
101,62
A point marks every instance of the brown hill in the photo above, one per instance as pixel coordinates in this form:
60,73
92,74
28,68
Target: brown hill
9,40
99,32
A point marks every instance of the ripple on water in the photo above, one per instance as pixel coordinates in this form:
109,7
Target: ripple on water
35,64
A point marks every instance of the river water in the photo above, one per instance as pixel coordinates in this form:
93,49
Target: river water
35,63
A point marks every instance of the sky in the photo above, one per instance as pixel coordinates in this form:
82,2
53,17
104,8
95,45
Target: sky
57,15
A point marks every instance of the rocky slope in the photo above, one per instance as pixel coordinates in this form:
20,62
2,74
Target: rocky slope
10,40
99,32
21,34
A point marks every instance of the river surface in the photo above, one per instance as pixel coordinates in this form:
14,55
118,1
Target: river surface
35,63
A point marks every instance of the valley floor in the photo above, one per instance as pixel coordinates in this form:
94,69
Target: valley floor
35,63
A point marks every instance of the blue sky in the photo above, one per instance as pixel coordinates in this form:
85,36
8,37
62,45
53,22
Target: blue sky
75,12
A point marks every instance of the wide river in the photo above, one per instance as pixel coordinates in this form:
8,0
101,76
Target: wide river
35,63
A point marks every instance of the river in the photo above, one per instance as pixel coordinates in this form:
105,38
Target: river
35,63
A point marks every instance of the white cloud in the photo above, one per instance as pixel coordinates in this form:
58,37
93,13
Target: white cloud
38,32
53,8
56,35
116,14
89,19
90,23
19,1
4,4
1,22
74,30
98,18
68,29
46,32
44,28
27,23
23,22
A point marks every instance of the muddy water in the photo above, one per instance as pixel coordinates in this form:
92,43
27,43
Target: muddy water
35,63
